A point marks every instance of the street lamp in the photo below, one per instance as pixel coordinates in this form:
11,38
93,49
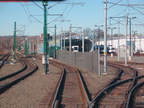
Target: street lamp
98,36
112,34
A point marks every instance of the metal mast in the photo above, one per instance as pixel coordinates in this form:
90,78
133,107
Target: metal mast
45,42
105,36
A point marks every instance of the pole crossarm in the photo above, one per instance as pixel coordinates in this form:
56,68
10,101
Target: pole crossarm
115,20
77,27
55,14
138,24
63,20
126,4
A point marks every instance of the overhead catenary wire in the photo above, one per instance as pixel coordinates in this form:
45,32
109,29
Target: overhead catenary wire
67,12
137,10
38,5
62,12
114,4
53,5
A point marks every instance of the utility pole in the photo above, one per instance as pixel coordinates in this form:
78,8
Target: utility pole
70,37
64,40
130,49
126,40
25,48
99,33
118,34
130,37
14,45
112,34
118,39
83,38
105,35
55,43
45,41
61,37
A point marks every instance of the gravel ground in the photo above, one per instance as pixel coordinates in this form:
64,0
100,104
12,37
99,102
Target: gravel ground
7,68
137,59
30,92
95,82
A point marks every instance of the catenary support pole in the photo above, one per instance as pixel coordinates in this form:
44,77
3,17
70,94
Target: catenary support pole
25,48
70,37
130,37
64,40
61,38
126,40
14,45
105,35
55,44
118,39
83,37
45,42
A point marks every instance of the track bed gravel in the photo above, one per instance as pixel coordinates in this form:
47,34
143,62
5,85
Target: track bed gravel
30,92
9,68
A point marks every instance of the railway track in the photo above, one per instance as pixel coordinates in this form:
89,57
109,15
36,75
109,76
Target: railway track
135,97
3,59
8,81
115,94
70,91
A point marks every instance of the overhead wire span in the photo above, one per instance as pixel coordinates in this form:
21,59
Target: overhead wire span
54,20
38,5
126,4
137,10
53,5
36,19
64,11
118,21
114,4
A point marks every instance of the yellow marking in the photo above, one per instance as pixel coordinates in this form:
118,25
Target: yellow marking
105,52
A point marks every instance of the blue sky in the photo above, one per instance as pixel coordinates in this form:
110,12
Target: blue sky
29,16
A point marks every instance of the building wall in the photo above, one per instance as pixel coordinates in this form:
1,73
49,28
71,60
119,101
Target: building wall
138,43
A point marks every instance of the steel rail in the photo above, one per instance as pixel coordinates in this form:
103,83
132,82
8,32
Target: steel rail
10,84
134,80
15,73
116,78
60,88
103,92
7,56
86,91
3,57
130,96
114,83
